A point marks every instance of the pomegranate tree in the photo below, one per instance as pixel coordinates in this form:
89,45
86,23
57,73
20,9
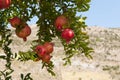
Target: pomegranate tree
54,19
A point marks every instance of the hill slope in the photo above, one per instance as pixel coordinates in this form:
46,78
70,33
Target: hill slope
104,66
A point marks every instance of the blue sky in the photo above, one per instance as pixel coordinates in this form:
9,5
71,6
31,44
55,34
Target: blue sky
103,13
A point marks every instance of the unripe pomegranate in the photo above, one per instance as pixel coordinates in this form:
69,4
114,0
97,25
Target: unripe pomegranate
67,34
40,50
49,47
4,4
60,22
15,21
46,58
24,32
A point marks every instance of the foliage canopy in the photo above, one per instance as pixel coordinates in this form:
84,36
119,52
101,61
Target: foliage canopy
46,12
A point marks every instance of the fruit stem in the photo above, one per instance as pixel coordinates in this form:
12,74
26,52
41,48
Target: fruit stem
25,39
67,41
9,20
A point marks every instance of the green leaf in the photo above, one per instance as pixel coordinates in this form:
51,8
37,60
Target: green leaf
22,76
3,57
50,71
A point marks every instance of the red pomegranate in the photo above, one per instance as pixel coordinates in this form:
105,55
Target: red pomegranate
49,47
60,22
24,32
46,58
40,50
67,34
4,4
15,21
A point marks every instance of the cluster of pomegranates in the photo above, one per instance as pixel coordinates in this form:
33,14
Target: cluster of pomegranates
44,51
61,23
4,4
22,29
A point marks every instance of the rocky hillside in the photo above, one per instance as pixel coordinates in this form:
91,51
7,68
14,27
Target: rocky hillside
104,66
